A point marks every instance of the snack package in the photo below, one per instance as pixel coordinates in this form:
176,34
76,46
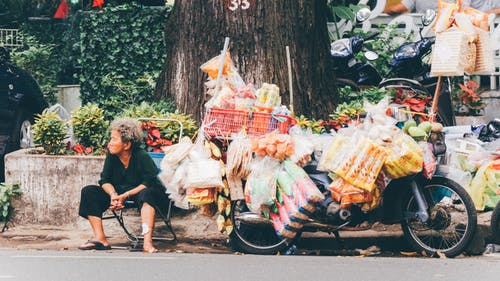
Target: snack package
330,157
405,157
303,147
347,194
478,18
239,157
201,196
453,54
268,96
211,67
303,183
260,188
280,228
463,22
429,167
278,146
362,164
446,10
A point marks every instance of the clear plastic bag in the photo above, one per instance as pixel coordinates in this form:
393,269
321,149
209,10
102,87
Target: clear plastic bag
260,188
303,146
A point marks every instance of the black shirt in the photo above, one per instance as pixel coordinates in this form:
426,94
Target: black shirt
141,170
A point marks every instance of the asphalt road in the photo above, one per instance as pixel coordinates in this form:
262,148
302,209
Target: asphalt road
77,265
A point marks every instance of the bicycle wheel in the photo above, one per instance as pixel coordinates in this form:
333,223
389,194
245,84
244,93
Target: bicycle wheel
253,234
452,219
495,224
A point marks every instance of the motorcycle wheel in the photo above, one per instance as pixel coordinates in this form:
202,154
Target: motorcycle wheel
254,235
452,219
22,136
495,224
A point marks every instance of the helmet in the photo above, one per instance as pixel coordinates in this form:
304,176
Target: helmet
490,132
4,55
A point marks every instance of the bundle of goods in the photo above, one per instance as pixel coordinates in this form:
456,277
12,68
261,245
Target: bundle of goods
236,105
278,146
180,172
363,159
296,196
462,42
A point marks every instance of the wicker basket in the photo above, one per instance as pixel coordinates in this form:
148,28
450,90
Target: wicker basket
453,54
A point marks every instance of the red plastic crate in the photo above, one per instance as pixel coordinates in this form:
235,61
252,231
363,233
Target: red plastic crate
219,122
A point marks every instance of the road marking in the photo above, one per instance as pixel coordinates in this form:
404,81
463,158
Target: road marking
94,257
6,276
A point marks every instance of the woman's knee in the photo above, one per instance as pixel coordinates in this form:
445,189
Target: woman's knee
89,191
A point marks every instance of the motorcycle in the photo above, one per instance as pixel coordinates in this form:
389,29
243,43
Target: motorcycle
348,70
413,75
436,215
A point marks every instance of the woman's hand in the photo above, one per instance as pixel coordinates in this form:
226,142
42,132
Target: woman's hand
116,201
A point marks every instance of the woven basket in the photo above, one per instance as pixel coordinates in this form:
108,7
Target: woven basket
453,54
484,53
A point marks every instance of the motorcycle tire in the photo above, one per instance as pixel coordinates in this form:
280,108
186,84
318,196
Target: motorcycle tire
254,238
495,224
452,219
21,136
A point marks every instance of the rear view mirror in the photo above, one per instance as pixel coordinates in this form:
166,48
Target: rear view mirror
428,17
363,14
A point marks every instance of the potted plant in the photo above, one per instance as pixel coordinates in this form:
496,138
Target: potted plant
89,129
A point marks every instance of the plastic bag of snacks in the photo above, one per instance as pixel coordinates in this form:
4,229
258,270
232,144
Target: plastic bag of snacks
201,196
331,156
302,181
362,164
239,157
478,18
260,188
405,157
278,146
446,10
268,96
347,194
280,226
303,147
429,160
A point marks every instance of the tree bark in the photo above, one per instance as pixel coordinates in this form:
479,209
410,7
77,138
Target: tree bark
195,32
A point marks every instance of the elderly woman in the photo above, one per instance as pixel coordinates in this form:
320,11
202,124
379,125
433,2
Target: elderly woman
129,172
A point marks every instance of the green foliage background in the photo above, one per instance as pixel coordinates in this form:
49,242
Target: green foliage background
122,54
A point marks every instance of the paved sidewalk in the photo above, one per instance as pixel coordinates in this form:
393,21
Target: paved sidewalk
196,235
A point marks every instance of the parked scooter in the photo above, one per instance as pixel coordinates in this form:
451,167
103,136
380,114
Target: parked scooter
436,215
413,75
348,70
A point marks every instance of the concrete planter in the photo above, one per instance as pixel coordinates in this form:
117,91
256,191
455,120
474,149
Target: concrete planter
51,185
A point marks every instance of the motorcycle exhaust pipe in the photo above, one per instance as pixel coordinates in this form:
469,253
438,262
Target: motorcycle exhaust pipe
344,214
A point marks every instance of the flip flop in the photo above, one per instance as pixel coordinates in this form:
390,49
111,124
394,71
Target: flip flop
94,245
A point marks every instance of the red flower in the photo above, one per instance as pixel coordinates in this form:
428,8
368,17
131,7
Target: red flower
98,3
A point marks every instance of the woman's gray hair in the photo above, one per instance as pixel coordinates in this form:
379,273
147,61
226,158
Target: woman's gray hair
130,129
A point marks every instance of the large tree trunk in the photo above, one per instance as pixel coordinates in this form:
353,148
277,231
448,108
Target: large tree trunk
195,33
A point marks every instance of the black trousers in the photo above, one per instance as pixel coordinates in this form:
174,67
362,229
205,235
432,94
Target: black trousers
94,201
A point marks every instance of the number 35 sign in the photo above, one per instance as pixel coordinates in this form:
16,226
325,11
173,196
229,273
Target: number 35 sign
234,5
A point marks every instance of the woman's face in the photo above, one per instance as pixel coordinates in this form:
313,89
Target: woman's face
116,145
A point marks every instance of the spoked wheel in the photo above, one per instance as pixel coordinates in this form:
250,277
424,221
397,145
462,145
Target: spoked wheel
495,224
252,233
452,219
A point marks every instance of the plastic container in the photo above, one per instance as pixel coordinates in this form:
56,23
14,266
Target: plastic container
157,157
219,122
